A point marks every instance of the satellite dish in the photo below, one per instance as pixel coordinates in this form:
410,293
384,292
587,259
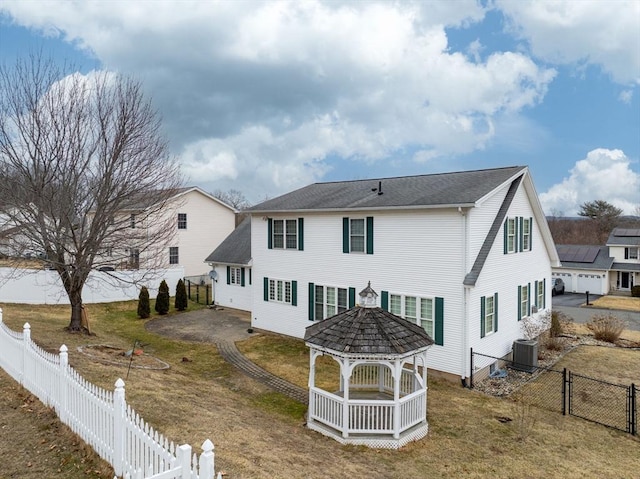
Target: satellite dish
213,274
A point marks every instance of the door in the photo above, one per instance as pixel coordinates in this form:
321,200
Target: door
624,280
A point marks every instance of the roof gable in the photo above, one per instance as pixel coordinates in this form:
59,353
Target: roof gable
624,237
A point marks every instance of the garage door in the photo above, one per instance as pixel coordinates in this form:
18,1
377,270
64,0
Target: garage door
590,282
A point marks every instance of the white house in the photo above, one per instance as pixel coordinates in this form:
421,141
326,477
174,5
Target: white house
466,255
196,219
601,269
231,264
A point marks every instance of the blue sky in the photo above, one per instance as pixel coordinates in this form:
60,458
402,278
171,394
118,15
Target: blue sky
266,97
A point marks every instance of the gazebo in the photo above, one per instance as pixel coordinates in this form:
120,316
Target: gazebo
382,398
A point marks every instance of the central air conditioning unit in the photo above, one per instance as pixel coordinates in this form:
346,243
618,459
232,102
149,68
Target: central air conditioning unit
525,355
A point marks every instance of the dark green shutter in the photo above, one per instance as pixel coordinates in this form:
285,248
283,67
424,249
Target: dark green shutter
301,234
269,233
495,312
384,300
312,301
506,235
535,291
482,317
626,253
369,234
250,276
530,233
294,293
242,277
439,323
352,297
228,274
266,289
544,294
529,299
345,235
519,303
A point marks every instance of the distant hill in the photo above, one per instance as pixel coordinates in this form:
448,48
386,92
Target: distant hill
580,230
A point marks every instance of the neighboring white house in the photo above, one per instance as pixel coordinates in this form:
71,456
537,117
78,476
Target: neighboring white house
466,255
601,269
231,264
199,221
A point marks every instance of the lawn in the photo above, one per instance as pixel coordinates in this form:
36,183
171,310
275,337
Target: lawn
261,434
625,303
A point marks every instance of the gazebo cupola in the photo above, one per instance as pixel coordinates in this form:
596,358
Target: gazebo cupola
382,397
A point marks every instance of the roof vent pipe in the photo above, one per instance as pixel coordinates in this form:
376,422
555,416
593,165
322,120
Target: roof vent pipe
379,187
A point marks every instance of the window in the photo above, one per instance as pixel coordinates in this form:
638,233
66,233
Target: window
329,301
134,258
524,303
415,309
280,291
526,234
631,253
540,294
285,234
234,275
510,235
182,221
133,221
173,255
488,315
357,235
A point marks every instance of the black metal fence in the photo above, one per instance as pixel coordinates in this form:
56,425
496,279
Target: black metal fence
561,391
198,292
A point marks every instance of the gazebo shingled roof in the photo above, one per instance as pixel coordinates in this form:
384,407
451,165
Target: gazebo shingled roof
364,331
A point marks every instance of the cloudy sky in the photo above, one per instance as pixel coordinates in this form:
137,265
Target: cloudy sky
266,97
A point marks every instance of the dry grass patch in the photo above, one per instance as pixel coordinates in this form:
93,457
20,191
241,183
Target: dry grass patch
625,303
260,434
615,365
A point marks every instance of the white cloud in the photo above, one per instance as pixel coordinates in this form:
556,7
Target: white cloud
603,175
267,91
591,31
626,96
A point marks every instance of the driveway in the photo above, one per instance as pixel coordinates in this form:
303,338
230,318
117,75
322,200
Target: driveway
571,304
204,325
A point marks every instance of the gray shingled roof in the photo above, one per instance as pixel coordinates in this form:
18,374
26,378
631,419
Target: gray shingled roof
602,261
624,237
625,267
236,248
442,189
362,331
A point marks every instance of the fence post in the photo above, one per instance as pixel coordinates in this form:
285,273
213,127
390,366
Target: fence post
63,396
119,408
206,465
633,410
207,299
189,289
471,370
198,293
564,391
26,340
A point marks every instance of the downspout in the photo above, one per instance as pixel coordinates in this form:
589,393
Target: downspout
465,291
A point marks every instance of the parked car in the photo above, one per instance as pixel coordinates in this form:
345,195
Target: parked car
558,287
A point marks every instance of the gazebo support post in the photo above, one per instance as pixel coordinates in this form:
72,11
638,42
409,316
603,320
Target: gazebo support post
345,371
397,373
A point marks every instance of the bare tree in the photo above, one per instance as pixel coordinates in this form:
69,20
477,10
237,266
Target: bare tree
85,173
233,198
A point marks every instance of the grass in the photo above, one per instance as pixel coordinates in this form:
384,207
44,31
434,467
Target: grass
260,434
625,303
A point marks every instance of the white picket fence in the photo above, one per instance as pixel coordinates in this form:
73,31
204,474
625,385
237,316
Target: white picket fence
102,418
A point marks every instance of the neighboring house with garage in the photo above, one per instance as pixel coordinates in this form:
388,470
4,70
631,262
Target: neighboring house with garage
601,269
465,255
230,263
